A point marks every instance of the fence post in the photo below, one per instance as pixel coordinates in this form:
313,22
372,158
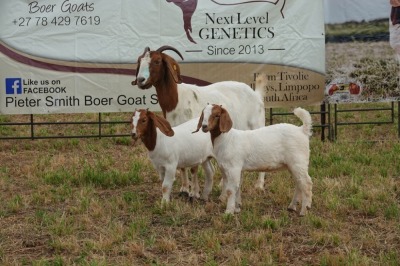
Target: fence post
32,129
270,115
323,121
99,125
335,127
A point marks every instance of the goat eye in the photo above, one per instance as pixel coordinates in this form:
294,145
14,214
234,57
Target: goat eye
157,62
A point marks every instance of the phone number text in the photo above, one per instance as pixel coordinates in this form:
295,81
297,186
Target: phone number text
57,21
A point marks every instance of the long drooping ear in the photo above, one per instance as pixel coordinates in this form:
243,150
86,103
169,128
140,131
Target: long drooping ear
200,123
173,68
162,124
147,49
225,121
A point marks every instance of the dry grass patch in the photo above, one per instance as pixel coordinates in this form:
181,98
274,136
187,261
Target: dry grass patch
98,203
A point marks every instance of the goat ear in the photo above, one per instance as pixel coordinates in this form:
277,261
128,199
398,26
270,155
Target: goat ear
162,124
225,121
200,122
173,68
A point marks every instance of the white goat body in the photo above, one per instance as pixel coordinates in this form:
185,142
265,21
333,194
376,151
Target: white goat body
178,149
265,149
245,105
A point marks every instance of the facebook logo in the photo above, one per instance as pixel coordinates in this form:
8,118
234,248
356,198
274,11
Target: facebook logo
13,86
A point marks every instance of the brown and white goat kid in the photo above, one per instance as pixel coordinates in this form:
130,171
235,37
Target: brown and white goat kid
181,102
279,146
172,148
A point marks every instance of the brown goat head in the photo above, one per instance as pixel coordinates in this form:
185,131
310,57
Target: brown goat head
144,124
155,67
214,118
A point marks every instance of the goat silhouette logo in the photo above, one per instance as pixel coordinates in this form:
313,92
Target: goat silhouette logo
13,86
189,7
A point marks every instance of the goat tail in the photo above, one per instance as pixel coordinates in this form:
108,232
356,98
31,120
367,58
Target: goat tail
261,82
305,117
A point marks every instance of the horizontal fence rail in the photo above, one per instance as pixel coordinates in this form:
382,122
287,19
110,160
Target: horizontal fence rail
352,110
33,125
324,124
101,127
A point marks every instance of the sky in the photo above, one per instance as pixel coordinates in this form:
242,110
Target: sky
339,11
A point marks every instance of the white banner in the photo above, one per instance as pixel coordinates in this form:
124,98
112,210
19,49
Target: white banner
79,56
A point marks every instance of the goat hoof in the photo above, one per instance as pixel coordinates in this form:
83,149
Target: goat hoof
222,198
229,213
203,201
303,212
291,209
204,198
259,187
184,194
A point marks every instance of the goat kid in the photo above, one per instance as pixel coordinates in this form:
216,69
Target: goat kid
181,102
280,146
172,148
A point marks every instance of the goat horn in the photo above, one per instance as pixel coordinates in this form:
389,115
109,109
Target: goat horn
167,47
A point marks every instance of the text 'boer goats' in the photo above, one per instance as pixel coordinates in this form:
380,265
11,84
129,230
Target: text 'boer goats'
181,102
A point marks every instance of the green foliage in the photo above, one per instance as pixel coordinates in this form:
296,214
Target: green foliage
376,74
351,30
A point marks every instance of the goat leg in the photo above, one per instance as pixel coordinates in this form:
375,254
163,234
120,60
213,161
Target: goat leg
185,183
232,187
167,184
209,173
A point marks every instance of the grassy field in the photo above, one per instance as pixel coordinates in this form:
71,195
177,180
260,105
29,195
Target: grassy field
97,202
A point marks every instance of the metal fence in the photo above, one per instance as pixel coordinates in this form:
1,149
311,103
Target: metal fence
391,120
328,126
326,123
99,132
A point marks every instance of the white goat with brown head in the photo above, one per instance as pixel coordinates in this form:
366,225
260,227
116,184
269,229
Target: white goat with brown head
279,146
172,148
181,102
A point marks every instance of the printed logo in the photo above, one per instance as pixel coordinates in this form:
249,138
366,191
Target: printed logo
13,86
189,7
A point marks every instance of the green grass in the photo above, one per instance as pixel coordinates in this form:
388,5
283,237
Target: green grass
98,202
350,30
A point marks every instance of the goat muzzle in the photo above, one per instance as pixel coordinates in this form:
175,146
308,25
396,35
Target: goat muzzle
135,138
204,128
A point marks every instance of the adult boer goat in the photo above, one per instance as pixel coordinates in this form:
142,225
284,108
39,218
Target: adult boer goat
181,102
279,146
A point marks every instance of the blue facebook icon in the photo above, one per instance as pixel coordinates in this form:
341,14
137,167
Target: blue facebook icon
13,86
